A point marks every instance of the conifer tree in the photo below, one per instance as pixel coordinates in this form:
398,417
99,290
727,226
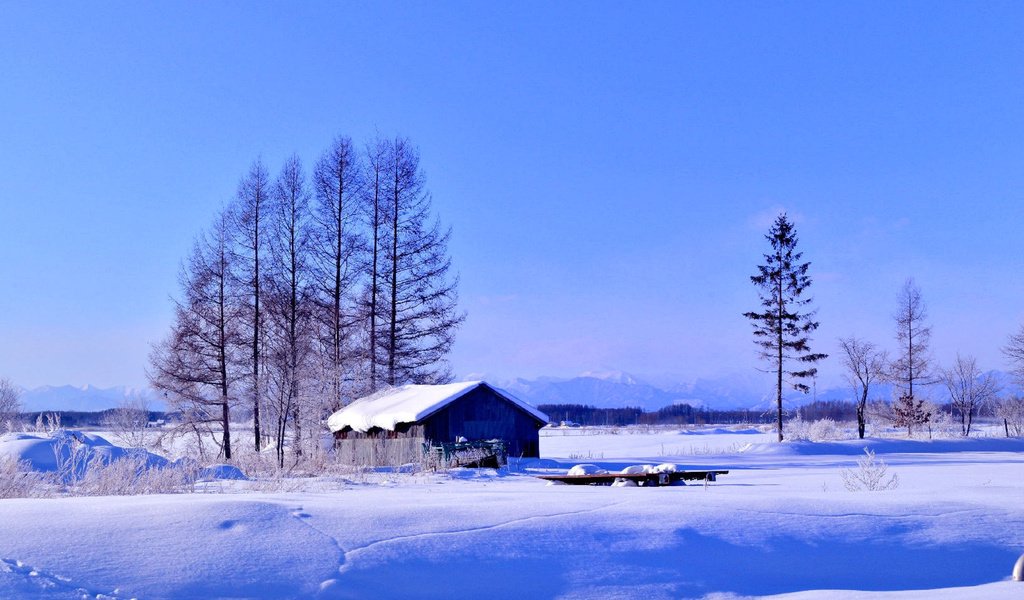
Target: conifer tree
783,326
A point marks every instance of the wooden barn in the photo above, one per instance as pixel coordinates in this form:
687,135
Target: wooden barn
395,426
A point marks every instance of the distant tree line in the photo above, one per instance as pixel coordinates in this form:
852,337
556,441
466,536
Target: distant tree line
310,290
676,414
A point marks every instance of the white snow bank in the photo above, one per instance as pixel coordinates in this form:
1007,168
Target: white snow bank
222,471
587,470
721,431
47,453
643,469
889,446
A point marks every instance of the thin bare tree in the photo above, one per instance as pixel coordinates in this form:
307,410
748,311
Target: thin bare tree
10,404
128,422
1011,410
866,366
376,224
913,335
1014,351
969,389
421,293
196,364
336,256
250,218
290,299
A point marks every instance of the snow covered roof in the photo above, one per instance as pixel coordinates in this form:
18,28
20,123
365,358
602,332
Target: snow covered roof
411,403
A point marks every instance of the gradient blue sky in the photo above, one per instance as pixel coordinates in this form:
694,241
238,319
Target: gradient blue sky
609,169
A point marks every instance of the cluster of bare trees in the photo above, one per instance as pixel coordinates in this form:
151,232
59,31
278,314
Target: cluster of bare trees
10,405
308,291
969,389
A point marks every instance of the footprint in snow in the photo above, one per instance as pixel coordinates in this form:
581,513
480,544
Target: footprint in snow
51,583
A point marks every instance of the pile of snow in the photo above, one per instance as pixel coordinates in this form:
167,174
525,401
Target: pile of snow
222,472
48,453
587,470
645,469
72,453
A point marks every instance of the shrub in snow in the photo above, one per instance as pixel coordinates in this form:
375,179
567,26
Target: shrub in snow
128,476
821,430
18,480
1011,411
869,475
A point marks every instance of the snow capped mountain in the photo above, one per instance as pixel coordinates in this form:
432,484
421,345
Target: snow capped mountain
86,398
611,376
752,391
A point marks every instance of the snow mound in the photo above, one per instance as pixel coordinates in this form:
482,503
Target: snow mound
221,471
46,453
886,446
587,470
624,483
636,470
720,431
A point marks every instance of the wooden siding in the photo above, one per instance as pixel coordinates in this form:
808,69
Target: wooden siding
484,415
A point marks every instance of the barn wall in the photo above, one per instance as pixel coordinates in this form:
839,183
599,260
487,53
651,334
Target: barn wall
483,415
379,448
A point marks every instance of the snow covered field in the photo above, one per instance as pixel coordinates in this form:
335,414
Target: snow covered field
781,522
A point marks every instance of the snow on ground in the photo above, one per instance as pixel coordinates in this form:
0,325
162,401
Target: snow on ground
780,523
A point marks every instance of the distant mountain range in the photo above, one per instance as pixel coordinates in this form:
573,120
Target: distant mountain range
614,389
601,389
85,398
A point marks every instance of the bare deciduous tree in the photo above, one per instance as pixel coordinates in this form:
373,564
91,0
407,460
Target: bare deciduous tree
376,217
128,422
10,404
337,250
421,294
969,389
865,365
1011,410
249,224
196,364
290,300
1014,350
913,365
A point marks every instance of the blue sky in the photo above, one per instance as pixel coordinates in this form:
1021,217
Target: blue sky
609,169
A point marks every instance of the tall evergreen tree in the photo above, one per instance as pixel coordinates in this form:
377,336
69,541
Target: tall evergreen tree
783,326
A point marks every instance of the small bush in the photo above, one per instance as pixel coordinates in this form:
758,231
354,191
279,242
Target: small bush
869,476
18,480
